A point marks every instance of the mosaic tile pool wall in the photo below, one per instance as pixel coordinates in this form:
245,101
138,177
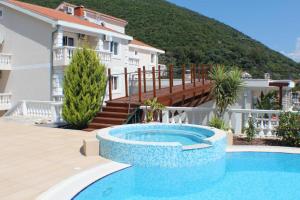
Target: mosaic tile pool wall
161,154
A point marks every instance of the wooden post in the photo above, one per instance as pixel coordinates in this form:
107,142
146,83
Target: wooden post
109,84
280,96
171,78
159,79
126,81
140,84
154,81
199,72
210,70
144,78
183,77
191,72
194,75
202,73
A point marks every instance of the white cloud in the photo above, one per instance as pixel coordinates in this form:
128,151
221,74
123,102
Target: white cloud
295,55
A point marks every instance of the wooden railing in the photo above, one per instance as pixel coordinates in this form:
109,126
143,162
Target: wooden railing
5,61
142,80
265,121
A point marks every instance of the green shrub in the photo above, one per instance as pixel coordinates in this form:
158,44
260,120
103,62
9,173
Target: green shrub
218,123
268,101
250,130
155,107
84,88
227,85
289,128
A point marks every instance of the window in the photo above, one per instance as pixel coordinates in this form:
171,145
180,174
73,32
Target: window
152,58
114,82
114,48
1,13
68,41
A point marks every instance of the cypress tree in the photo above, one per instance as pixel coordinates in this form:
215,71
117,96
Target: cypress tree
84,88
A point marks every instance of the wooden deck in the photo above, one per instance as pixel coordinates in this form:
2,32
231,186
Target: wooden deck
192,93
179,96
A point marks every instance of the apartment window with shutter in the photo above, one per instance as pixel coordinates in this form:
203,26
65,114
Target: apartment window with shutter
68,41
1,13
114,82
152,58
114,48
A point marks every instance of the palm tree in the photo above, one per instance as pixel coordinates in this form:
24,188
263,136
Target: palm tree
227,85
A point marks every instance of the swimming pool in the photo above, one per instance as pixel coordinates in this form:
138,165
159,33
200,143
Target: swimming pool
160,135
162,145
239,176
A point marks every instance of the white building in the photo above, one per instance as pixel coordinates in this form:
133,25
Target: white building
37,43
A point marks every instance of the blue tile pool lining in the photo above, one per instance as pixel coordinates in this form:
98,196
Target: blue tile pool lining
163,154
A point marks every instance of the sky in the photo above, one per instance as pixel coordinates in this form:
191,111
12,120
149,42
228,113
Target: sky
275,23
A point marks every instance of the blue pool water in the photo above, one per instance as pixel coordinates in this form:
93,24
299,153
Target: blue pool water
157,135
186,135
239,176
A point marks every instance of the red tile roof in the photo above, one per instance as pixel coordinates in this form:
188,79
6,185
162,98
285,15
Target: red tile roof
96,13
57,15
139,43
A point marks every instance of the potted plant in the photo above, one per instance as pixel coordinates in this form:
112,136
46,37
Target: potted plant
153,108
226,87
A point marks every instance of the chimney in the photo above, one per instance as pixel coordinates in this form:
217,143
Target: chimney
79,11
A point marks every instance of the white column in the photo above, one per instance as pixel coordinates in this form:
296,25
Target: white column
99,43
285,99
58,37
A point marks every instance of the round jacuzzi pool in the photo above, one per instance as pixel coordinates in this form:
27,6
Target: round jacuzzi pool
165,145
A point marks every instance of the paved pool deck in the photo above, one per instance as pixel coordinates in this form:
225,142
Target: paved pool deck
32,158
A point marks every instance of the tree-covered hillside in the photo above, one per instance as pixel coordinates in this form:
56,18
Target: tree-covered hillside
190,37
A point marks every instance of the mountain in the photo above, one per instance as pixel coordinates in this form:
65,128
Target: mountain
188,36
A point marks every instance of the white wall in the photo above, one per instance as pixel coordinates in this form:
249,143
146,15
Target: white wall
29,40
144,57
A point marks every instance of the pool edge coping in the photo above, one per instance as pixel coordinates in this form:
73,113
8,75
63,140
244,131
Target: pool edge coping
256,148
104,134
71,186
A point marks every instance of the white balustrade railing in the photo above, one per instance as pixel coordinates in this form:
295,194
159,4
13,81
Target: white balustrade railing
134,61
58,98
5,61
5,101
264,121
104,56
38,109
63,55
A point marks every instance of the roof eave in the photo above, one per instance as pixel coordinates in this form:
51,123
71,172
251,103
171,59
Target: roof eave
147,48
54,23
30,13
93,30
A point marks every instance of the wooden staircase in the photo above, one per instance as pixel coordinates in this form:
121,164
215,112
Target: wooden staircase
114,113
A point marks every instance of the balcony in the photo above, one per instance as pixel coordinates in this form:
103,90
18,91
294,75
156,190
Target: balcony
133,61
62,56
5,61
5,101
